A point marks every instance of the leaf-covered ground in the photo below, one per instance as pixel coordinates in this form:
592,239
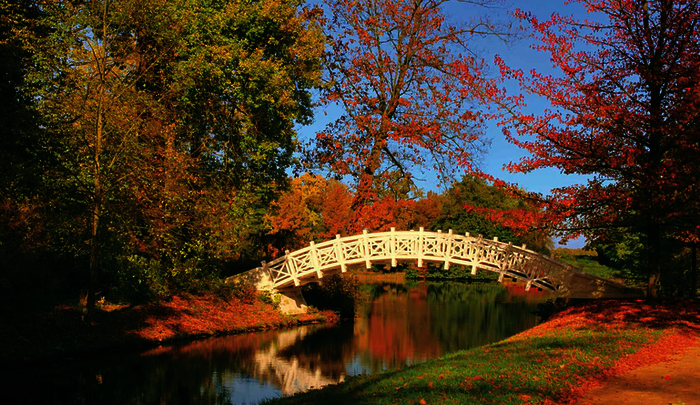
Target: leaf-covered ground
27,335
553,363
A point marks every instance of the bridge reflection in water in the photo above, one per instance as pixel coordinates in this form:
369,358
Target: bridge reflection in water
400,324
295,374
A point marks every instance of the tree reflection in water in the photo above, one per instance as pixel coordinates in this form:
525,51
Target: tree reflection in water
400,324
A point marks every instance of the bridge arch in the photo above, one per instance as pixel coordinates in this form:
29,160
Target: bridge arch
311,263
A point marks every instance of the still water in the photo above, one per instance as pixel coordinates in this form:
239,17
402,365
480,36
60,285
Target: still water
400,324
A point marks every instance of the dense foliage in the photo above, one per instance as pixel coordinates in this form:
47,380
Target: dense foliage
319,209
152,135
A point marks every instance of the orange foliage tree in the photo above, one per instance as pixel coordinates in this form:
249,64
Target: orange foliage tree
391,68
313,208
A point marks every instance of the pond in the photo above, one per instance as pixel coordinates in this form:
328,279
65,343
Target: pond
400,324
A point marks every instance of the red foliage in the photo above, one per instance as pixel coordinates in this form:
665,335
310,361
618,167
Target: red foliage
210,315
521,221
382,216
314,208
391,67
428,209
623,112
335,211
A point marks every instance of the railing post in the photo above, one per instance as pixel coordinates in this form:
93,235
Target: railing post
314,259
393,247
292,268
368,254
493,250
339,255
448,249
479,245
420,247
506,257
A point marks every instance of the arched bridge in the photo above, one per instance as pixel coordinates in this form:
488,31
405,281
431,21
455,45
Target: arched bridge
312,262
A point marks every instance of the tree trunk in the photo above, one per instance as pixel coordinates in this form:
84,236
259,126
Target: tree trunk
653,260
96,210
694,270
94,250
365,187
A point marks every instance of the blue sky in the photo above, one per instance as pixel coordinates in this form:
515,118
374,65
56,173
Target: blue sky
517,54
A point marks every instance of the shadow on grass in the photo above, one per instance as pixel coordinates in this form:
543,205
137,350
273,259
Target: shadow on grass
682,314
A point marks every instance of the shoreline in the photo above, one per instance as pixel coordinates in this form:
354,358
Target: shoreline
556,362
29,337
38,334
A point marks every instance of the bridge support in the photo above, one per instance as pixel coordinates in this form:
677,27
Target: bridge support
291,300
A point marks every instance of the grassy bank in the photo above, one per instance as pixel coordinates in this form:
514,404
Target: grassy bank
32,334
552,363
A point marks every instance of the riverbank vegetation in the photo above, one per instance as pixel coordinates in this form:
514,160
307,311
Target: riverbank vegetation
39,333
552,363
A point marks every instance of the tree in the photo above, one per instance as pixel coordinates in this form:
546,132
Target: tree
472,205
20,158
392,70
624,112
170,125
17,24
313,209
296,218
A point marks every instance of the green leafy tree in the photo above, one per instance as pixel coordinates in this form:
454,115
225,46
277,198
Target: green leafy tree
21,148
170,126
475,192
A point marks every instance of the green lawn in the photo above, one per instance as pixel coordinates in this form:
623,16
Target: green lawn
547,364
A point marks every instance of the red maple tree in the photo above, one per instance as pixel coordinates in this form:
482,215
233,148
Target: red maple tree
392,70
624,111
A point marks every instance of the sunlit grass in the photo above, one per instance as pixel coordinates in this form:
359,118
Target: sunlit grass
547,364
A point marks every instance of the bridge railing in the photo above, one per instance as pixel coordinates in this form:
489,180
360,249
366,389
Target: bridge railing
309,263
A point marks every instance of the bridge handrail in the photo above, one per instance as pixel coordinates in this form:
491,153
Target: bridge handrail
477,252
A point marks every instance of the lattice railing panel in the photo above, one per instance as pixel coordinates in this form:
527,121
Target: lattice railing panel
379,247
302,262
405,246
433,246
326,256
353,250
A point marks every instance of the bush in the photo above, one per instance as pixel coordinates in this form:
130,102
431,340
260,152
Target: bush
138,279
336,293
455,272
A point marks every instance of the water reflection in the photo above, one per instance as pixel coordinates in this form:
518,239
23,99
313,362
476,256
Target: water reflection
401,324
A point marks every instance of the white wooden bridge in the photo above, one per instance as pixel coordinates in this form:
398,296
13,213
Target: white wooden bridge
311,263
